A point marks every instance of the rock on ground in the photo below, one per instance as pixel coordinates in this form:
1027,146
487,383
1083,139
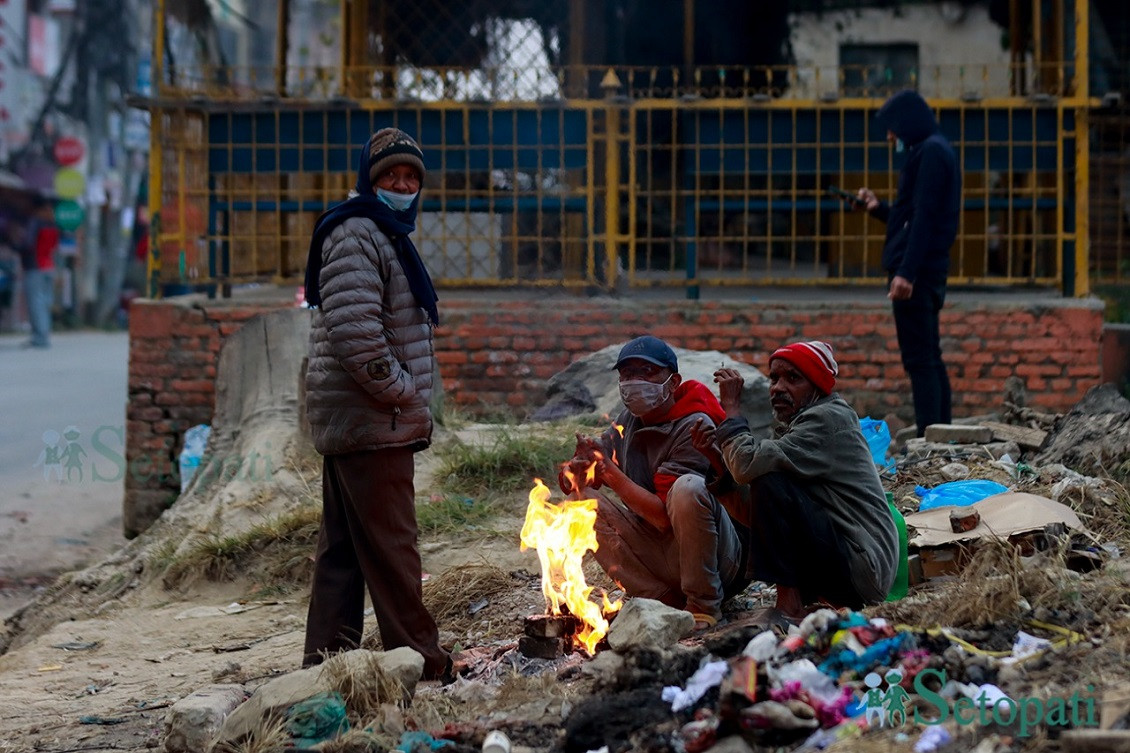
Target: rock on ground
646,623
194,720
1094,437
590,385
274,698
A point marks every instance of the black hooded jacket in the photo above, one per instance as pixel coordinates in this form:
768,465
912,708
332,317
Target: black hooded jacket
923,220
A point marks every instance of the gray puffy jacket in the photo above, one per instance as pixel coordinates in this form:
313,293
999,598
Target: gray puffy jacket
369,380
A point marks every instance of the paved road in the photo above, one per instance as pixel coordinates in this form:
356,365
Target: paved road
54,518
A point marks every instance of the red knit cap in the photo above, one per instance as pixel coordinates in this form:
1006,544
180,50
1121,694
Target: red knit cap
814,360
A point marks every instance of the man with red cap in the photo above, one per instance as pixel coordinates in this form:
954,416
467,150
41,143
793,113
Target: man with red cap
819,522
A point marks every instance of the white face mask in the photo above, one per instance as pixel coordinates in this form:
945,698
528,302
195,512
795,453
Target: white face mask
397,201
899,146
642,397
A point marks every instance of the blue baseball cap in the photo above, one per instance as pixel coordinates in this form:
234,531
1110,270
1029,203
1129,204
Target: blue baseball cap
651,349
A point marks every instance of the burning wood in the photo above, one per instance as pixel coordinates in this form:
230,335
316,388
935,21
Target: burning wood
561,534
551,625
548,636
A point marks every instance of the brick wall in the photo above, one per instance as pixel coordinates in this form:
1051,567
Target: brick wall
502,354
498,355
173,352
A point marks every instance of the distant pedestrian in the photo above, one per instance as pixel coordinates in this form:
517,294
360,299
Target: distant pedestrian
9,263
368,390
37,256
922,225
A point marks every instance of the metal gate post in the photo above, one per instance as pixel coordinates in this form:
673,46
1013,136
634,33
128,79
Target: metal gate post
1081,95
612,139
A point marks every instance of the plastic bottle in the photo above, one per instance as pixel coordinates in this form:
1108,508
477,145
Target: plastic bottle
902,577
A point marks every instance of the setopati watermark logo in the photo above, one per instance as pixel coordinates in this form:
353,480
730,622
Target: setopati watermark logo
893,707
69,457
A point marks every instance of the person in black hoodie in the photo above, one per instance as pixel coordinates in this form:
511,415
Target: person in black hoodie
921,227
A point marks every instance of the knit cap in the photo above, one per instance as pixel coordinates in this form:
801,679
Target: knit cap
813,359
392,146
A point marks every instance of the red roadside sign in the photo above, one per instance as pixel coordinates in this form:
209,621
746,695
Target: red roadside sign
69,150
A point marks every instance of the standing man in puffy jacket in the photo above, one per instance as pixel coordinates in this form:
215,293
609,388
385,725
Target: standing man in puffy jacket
368,388
921,227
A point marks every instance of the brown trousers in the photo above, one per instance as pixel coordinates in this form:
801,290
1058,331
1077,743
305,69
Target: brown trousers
368,538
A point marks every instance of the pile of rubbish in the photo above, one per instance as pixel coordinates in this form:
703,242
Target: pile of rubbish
836,676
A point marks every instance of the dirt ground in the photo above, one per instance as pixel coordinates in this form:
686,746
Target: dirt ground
109,689
103,679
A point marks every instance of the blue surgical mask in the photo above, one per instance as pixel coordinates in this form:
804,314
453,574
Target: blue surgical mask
397,201
899,146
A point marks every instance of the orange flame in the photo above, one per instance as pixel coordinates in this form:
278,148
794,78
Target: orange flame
619,428
561,534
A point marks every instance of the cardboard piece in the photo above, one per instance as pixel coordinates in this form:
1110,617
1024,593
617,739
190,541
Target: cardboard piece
942,560
1002,516
1115,706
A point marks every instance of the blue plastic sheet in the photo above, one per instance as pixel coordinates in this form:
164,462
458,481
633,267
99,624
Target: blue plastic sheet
878,436
413,741
957,493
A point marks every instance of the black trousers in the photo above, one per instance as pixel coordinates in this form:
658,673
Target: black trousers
794,544
368,539
920,342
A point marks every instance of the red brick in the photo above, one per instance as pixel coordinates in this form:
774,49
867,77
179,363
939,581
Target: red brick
192,385
446,357
194,330
151,413
151,319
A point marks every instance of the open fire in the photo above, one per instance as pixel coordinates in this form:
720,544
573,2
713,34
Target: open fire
561,534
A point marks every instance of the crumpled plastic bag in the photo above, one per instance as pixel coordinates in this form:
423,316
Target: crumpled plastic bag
319,718
957,493
878,436
195,440
708,676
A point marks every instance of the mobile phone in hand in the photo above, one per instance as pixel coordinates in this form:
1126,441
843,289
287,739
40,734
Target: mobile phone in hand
847,196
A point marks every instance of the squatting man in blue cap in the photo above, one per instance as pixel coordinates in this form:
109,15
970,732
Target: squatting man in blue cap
667,537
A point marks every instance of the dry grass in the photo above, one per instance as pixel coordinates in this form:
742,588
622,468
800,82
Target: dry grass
358,741
1000,586
1105,509
270,736
432,711
278,547
364,685
448,596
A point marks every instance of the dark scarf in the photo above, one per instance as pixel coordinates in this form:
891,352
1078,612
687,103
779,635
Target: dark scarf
396,225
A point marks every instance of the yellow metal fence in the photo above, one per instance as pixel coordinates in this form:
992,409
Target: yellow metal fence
626,188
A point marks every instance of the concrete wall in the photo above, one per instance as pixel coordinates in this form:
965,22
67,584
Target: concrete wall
497,355
957,52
